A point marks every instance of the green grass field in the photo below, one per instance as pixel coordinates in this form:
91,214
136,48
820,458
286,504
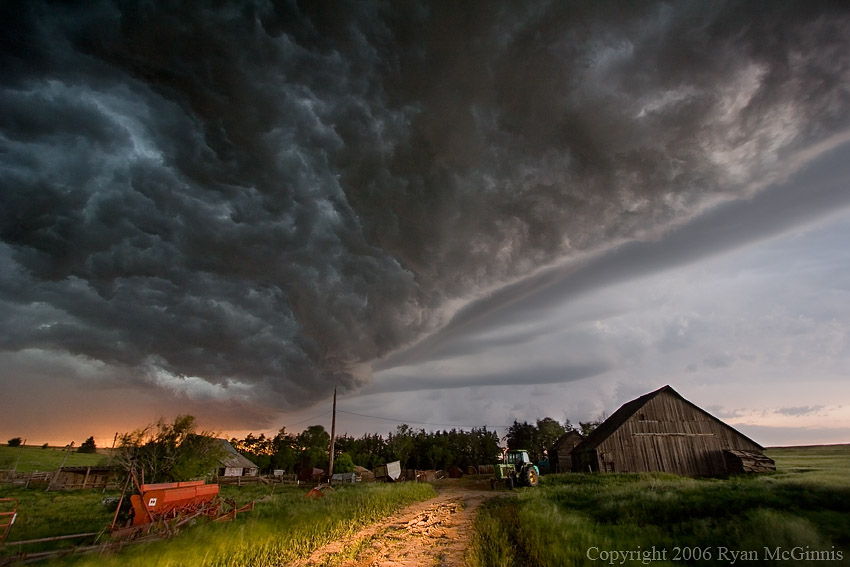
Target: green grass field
799,515
284,525
32,459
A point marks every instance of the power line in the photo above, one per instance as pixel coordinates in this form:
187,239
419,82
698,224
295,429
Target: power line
308,419
407,421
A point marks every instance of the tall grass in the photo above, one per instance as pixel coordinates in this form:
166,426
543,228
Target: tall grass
283,526
570,518
45,514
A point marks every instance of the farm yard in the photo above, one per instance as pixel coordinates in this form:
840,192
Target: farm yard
571,519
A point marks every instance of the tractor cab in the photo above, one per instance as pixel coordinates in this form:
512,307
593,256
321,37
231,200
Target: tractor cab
518,458
517,470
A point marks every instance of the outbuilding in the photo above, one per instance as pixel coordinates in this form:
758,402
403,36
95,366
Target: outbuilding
663,432
560,453
234,464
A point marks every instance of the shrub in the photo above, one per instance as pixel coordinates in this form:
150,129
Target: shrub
14,442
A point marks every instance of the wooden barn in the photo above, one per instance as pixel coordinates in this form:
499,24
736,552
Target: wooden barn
560,458
662,431
234,464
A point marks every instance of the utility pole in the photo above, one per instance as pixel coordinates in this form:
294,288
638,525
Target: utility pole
333,439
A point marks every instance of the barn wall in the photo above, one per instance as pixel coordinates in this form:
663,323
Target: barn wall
670,435
585,461
560,459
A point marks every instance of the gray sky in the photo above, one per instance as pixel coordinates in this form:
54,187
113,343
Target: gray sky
459,215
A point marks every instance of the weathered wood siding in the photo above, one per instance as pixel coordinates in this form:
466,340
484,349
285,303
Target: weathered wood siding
73,478
670,435
560,460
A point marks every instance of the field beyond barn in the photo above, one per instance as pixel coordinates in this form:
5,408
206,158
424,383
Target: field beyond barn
799,515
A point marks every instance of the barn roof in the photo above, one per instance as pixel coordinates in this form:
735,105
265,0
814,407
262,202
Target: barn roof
232,458
571,436
627,410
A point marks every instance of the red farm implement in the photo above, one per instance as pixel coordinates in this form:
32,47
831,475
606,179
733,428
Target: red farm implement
157,511
162,508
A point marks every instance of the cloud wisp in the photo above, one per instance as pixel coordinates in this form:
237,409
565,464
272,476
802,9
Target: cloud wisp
257,201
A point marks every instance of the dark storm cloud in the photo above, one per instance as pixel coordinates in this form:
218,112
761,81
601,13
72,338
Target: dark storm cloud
542,374
813,192
275,195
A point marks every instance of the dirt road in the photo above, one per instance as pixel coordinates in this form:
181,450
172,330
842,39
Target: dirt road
431,533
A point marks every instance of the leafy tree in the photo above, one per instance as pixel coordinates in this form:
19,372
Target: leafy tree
284,454
14,442
313,444
587,427
343,463
535,438
548,431
259,450
401,444
368,451
169,452
88,446
196,457
487,447
525,436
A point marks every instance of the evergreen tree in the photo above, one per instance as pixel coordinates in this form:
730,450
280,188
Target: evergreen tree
88,446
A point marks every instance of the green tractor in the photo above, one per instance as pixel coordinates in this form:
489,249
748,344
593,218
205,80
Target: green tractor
516,471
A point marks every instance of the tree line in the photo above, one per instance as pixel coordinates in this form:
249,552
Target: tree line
175,451
413,448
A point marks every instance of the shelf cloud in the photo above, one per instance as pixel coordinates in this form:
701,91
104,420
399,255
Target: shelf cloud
257,201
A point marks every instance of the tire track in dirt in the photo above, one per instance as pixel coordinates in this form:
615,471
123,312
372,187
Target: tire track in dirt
435,532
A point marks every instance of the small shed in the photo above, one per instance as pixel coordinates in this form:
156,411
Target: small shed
560,458
663,432
234,464
389,472
364,474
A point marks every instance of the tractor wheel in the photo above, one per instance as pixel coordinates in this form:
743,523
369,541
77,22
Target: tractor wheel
529,477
